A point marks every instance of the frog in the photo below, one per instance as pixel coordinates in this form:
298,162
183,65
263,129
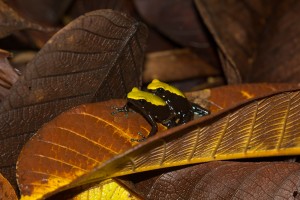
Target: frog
162,103
177,101
152,108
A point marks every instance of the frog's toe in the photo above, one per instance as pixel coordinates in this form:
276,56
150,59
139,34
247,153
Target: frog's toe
139,140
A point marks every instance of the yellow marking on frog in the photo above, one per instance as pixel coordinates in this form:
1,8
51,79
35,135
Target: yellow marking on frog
157,84
137,94
247,95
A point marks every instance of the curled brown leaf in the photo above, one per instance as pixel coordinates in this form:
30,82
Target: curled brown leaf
98,56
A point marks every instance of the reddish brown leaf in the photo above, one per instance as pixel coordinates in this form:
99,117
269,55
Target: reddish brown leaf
222,180
176,19
74,143
10,21
8,75
237,27
80,7
193,142
47,12
183,63
277,57
98,56
6,190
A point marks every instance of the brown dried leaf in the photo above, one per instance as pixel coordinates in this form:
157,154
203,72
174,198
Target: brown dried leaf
262,127
6,190
8,75
80,7
99,56
176,19
225,180
277,55
205,139
237,27
46,12
10,21
182,63
73,144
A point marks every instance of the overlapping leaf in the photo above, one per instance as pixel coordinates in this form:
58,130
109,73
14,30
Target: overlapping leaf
264,127
10,21
256,38
108,189
74,153
7,192
74,143
221,180
98,56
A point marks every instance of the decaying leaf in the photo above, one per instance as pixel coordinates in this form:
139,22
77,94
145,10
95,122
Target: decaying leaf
47,12
96,57
237,27
183,64
8,75
201,140
176,19
108,189
257,39
262,127
277,56
10,21
75,143
222,180
7,192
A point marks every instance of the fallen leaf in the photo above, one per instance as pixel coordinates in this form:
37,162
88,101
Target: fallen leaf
222,180
108,189
258,128
7,192
47,12
8,75
204,139
74,143
176,19
277,59
98,56
183,64
12,21
237,27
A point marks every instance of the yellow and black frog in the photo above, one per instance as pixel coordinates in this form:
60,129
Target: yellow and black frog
176,100
163,104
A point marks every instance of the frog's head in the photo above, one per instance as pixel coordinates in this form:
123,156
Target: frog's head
141,97
160,87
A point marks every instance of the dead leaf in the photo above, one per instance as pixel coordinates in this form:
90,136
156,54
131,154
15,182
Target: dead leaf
7,192
176,19
74,143
237,27
47,12
10,21
8,75
201,140
99,56
222,180
108,189
277,55
258,128
183,64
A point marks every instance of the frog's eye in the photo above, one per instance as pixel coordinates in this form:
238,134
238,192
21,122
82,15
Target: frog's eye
142,100
159,90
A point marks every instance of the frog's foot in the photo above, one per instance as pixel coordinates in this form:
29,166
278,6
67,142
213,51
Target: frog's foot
119,110
139,140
